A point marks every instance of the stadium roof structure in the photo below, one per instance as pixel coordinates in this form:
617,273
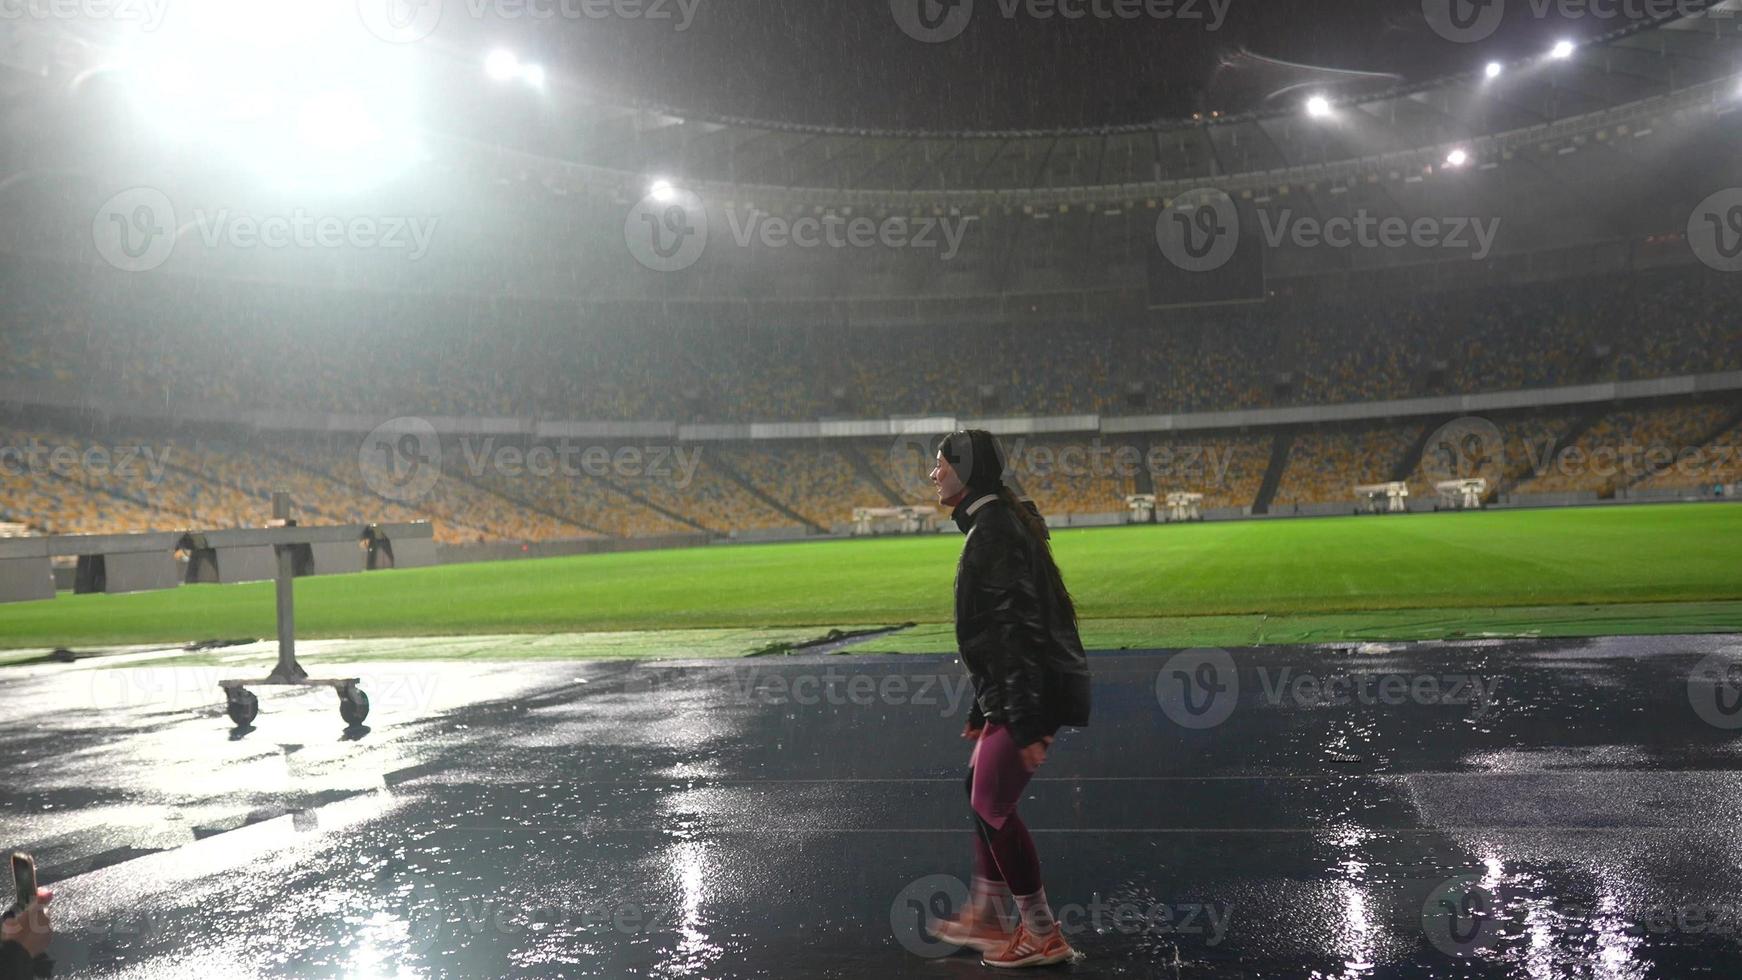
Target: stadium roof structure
1618,82
1647,102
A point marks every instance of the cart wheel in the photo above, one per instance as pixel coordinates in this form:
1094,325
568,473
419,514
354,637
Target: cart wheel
243,707
353,706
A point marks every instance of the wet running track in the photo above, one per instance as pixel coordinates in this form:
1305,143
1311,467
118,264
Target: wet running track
1481,809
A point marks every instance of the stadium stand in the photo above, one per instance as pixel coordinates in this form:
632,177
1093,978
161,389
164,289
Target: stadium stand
1525,439
1226,469
1325,466
478,357
1614,452
48,500
1718,463
1069,477
817,482
583,501
711,499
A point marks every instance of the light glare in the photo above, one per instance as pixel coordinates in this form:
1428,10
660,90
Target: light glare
1562,49
501,65
1457,158
1493,70
1318,107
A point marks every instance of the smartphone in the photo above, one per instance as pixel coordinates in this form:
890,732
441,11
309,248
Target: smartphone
24,881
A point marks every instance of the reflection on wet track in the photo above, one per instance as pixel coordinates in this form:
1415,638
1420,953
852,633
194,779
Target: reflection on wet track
1483,809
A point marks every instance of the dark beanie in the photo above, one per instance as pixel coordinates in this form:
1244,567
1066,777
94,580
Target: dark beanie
977,459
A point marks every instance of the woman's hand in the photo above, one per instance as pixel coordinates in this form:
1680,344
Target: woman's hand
971,733
30,928
1034,753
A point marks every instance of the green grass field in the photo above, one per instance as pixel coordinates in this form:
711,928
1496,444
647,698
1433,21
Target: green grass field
1673,568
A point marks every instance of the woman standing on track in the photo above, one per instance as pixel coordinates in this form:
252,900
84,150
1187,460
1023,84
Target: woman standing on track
1016,627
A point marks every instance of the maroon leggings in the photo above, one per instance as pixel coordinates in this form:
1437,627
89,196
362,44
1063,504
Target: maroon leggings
1003,851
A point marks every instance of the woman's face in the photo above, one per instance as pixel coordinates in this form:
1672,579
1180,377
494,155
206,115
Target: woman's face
944,478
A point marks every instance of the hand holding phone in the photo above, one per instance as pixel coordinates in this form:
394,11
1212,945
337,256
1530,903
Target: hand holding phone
26,921
23,883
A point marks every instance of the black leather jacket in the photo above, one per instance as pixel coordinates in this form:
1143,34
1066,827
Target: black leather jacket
1019,646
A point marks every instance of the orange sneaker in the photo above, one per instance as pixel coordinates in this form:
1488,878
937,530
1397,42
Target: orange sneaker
1025,949
982,935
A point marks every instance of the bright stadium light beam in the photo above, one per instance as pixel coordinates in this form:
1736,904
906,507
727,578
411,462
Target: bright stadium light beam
1493,70
337,122
1562,50
1318,107
1457,158
662,191
294,93
501,65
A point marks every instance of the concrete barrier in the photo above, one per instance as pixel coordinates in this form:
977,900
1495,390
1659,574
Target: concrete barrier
26,572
